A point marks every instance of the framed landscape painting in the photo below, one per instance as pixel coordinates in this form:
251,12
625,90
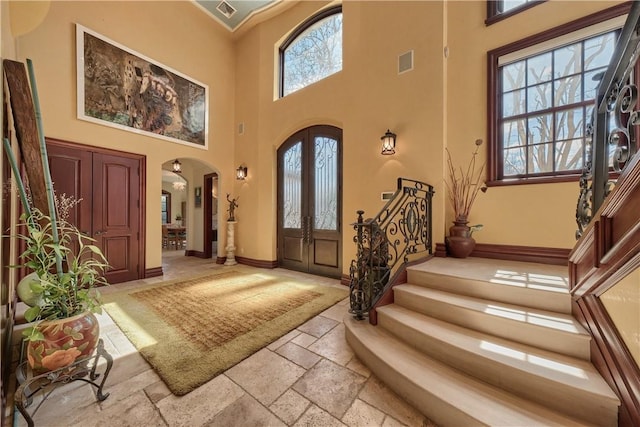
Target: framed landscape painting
121,88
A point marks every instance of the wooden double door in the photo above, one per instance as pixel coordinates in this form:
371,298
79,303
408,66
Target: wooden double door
108,183
310,201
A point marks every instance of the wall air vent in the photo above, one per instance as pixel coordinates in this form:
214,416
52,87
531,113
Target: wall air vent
226,9
405,62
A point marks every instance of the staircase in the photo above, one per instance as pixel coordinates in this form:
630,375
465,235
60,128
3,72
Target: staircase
486,342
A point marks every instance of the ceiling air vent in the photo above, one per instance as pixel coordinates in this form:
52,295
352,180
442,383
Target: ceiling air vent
226,9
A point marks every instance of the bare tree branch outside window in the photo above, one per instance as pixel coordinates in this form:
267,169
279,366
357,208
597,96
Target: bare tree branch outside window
547,102
314,55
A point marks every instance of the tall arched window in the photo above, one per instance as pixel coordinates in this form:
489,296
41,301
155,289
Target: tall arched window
312,52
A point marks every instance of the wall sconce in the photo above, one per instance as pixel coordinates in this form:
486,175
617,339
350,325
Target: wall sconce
177,166
388,143
241,172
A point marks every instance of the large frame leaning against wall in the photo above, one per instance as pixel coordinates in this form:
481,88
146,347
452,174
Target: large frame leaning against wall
121,88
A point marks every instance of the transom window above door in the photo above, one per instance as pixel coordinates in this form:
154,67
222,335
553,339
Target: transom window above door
312,52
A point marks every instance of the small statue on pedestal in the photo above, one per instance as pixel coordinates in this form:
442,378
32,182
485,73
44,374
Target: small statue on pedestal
232,207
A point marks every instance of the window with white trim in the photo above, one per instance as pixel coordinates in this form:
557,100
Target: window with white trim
543,101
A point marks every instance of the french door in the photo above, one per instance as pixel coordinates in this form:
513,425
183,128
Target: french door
310,201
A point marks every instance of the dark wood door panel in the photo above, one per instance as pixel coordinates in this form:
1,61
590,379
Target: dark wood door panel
109,186
114,198
310,201
115,214
325,201
292,251
71,173
325,253
292,203
118,252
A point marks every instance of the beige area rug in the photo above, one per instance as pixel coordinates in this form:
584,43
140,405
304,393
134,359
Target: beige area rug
192,330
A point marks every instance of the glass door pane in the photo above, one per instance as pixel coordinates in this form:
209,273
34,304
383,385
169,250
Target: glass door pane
326,183
292,187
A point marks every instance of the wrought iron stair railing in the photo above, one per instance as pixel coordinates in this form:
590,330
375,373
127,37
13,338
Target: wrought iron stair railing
612,134
401,232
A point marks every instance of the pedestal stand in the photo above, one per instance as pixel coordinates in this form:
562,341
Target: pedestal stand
46,383
231,246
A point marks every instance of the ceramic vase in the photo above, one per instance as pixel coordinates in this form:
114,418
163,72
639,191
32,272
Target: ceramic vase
460,244
65,341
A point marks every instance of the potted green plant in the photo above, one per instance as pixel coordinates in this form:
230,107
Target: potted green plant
463,186
62,302
66,266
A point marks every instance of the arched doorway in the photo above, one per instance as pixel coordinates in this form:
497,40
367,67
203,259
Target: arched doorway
310,201
193,195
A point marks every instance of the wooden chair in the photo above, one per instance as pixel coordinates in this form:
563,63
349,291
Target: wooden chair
181,238
168,238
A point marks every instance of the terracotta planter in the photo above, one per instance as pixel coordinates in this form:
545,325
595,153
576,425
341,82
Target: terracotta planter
460,244
460,247
65,341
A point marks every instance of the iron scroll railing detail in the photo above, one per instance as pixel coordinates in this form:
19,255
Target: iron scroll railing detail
611,136
401,231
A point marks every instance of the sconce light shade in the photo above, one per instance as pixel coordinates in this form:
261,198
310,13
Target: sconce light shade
177,166
388,143
241,172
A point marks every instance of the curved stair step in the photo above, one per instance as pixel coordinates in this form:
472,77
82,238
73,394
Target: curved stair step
563,383
440,392
541,286
552,331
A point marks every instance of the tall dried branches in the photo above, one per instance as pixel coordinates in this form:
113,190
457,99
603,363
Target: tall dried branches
463,186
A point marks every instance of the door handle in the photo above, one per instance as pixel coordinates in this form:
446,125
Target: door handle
307,230
304,230
99,232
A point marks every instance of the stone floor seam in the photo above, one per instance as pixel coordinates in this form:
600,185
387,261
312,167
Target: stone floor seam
197,408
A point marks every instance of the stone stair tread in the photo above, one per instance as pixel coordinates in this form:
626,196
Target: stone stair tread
555,321
479,401
550,278
577,373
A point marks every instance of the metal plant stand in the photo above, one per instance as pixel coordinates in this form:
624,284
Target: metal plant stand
46,383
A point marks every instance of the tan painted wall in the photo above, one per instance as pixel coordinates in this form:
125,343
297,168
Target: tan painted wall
530,215
176,34
364,99
441,103
368,96
27,15
623,305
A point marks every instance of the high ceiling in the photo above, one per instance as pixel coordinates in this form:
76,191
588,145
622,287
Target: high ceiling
234,13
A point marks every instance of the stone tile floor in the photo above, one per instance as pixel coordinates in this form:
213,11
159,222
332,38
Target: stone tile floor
309,377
